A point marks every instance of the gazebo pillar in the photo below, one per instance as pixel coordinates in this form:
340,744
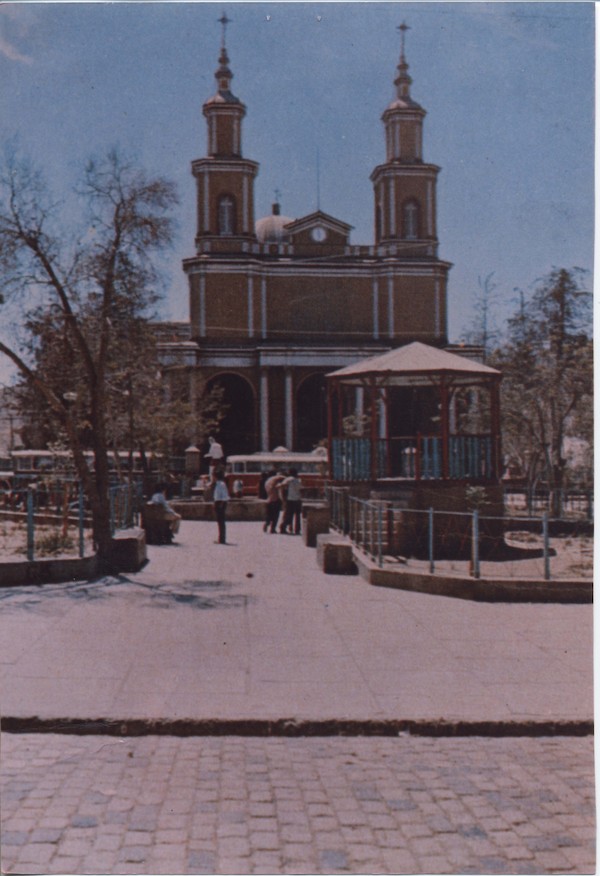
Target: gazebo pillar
495,429
388,448
374,454
340,408
445,418
330,388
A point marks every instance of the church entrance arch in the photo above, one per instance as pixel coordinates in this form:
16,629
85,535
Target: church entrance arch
237,431
311,412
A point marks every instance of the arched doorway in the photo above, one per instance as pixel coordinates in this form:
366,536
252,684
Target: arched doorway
311,412
237,432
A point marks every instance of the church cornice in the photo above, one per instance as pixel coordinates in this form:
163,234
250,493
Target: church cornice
227,165
413,113
399,168
381,267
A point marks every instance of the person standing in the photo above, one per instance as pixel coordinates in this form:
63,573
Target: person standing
293,504
273,506
215,454
220,499
262,493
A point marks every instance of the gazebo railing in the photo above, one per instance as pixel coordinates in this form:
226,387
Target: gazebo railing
352,459
418,457
470,456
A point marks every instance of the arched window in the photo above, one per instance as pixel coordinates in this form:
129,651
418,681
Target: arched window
311,412
226,215
411,220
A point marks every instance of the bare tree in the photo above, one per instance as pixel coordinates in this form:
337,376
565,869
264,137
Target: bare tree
84,289
483,331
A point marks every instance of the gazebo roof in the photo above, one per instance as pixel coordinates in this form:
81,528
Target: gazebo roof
415,364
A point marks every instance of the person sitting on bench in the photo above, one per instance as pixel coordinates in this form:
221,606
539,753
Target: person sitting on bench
159,498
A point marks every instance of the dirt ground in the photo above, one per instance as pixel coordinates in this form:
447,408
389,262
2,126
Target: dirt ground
50,541
571,556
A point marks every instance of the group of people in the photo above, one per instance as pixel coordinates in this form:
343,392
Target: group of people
281,492
283,505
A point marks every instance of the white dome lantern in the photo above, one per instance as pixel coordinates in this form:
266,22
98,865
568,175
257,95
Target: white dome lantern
271,229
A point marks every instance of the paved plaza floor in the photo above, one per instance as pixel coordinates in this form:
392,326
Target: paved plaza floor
254,631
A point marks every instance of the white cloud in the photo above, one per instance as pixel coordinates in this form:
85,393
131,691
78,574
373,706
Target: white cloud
12,53
11,19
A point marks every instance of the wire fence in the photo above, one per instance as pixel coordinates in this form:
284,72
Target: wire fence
531,547
125,503
566,503
54,520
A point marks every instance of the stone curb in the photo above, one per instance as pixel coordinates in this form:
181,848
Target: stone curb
290,727
565,591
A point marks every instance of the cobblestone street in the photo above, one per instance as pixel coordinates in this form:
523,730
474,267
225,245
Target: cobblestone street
311,805
245,634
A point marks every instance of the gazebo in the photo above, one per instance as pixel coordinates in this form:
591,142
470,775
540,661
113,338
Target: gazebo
413,414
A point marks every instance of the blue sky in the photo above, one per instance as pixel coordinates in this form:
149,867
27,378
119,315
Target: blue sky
508,88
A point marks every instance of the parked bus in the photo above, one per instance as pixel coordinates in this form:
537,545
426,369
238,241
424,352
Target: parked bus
312,468
31,465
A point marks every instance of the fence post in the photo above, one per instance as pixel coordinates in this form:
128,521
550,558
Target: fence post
475,544
81,537
138,503
111,497
30,526
546,547
364,526
560,503
372,531
430,542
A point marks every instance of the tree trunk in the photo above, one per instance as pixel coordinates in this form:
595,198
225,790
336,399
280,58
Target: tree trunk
101,522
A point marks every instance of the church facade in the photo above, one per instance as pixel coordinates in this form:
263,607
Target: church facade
278,303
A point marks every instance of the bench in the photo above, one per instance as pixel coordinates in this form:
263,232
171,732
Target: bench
335,555
128,549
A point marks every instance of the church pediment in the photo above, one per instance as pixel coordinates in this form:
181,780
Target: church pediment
318,227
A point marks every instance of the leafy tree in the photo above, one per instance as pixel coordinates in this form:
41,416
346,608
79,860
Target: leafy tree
80,293
547,367
150,408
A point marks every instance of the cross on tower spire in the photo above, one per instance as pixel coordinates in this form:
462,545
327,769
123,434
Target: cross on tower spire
402,28
403,80
224,21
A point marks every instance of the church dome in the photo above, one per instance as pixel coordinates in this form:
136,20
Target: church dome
270,229
222,97
404,102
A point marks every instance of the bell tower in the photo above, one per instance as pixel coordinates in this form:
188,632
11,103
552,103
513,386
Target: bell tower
405,186
224,179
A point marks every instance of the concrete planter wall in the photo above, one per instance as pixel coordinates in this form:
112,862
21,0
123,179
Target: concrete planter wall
477,589
47,571
237,509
